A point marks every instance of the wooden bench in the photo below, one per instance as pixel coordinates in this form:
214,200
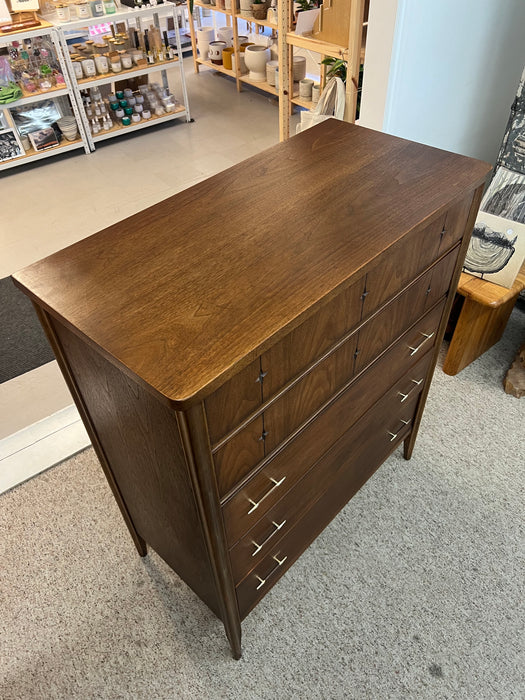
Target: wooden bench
485,310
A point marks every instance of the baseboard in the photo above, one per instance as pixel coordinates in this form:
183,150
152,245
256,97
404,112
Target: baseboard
40,446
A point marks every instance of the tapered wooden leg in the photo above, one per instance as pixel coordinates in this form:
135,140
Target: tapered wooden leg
234,637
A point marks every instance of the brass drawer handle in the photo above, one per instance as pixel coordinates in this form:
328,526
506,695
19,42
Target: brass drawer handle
404,397
394,435
275,485
263,580
427,336
258,547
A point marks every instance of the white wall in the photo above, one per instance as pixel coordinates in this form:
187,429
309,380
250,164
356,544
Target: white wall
453,71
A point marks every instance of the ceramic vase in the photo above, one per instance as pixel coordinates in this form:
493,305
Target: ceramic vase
246,8
204,36
299,68
225,34
256,57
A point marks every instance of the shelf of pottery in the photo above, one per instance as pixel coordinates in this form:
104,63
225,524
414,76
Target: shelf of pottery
237,43
90,72
39,116
258,44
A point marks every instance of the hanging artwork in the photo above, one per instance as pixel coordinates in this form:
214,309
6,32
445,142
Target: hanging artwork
497,245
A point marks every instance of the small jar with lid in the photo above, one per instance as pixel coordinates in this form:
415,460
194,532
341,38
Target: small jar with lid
101,64
100,47
127,61
88,67
63,12
109,7
90,44
116,64
77,68
83,9
97,8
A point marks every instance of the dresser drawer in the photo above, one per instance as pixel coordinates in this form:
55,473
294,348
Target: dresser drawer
234,400
402,311
281,518
344,468
309,341
267,486
413,254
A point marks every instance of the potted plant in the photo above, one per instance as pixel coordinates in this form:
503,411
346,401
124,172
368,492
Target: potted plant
259,9
337,68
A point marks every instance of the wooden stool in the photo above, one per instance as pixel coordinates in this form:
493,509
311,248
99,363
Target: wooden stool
482,319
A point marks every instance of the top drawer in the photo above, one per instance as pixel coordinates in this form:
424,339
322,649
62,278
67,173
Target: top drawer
413,254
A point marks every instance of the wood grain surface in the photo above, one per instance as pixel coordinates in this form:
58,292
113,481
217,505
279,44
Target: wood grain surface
187,292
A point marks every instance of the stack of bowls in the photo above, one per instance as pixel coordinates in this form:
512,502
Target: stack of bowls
68,126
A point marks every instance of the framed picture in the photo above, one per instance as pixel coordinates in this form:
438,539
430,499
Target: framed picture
496,250
10,146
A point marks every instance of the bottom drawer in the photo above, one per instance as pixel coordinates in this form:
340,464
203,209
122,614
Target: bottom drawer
349,463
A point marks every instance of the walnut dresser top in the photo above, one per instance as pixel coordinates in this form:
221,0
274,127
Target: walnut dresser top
185,293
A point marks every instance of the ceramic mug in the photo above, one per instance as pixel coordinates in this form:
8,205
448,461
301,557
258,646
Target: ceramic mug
215,51
316,92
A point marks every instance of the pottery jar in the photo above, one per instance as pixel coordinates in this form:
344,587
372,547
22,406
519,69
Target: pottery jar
204,36
305,88
225,34
316,92
227,57
256,57
215,51
299,68
270,72
246,8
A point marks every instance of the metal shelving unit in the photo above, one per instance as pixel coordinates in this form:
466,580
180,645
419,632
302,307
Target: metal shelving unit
128,15
31,155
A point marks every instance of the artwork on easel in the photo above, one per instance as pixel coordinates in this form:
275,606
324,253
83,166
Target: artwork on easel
496,250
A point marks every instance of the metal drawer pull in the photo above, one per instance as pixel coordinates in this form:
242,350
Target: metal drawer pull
258,547
275,485
427,336
394,435
263,580
404,397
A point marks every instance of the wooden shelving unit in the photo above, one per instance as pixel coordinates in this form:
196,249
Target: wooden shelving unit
352,53
287,93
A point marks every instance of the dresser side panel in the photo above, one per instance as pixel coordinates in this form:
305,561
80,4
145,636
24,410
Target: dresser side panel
141,441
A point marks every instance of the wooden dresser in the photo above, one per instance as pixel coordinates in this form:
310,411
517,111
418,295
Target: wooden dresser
248,352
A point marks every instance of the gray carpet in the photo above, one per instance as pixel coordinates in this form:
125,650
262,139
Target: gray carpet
414,591
23,344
